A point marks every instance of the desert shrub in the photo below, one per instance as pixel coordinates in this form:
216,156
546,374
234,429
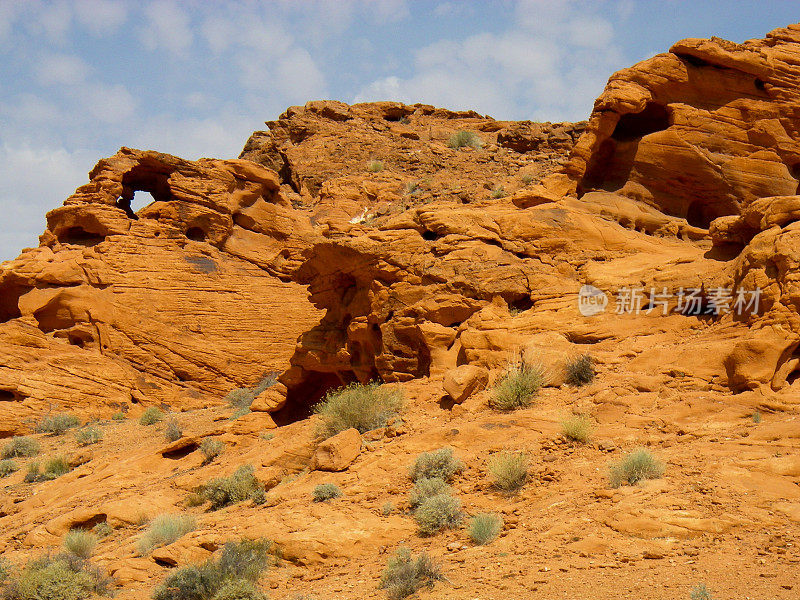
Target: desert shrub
5,570
756,416
463,139
52,468
364,407
242,398
7,467
62,577
442,511
484,528
577,428
633,468
387,509
21,446
173,431
259,496
211,448
80,543
151,416
238,487
196,498
57,424
700,592
118,416
242,561
440,463
239,589
427,487
102,530
517,387
88,436
405,575
509,470
498,192
326,491
527,179
164,530
580,370
375,166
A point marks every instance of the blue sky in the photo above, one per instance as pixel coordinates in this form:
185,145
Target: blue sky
79,79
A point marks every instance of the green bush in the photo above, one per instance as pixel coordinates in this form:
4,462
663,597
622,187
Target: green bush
164,530
57,424
102,530
211,449
442,511
405,575
509,470
241,398
580,370
62,577
375,166
151,416
700,592
463,139
387,509
225,491
88,436
20,447
517,387
5,570
498,192
7,467
364,407
173,431
52,469
118,416
484,528
80,543
427,487
439,463
326,491
222,579
577,428
633,468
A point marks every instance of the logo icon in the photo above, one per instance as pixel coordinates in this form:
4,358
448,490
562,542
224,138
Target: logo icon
591,301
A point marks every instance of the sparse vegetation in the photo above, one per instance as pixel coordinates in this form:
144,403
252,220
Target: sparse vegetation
242,398
364,407
151,416
518,386
173,431
7,467
61,577
442,511
375,166
700,592
238,487
405,575
52,469
427,487
20,447
57,424
757,416
102,530
580,370
88,436
326,491
118,416
509,469
232,577
80,543
527,179
484,528
5,570
164,530
498,192
387,509
635,467
577,428
464,139
439,463
211,449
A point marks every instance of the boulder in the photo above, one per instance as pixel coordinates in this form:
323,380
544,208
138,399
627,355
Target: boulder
338,452
462,382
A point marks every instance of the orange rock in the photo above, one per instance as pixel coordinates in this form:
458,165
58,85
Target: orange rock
338,452
460,383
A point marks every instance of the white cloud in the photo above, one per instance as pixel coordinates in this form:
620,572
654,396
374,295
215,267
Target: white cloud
55,19
62,69
107,103
168,27
101,17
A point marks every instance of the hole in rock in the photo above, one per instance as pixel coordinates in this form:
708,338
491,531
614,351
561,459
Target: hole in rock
10,294
132,201
80,237
520,305
430,235
759,83
90,522
695,61
151,180
631,126
698,215
196,233
10,396
300,400
181,451
793,376
165,562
